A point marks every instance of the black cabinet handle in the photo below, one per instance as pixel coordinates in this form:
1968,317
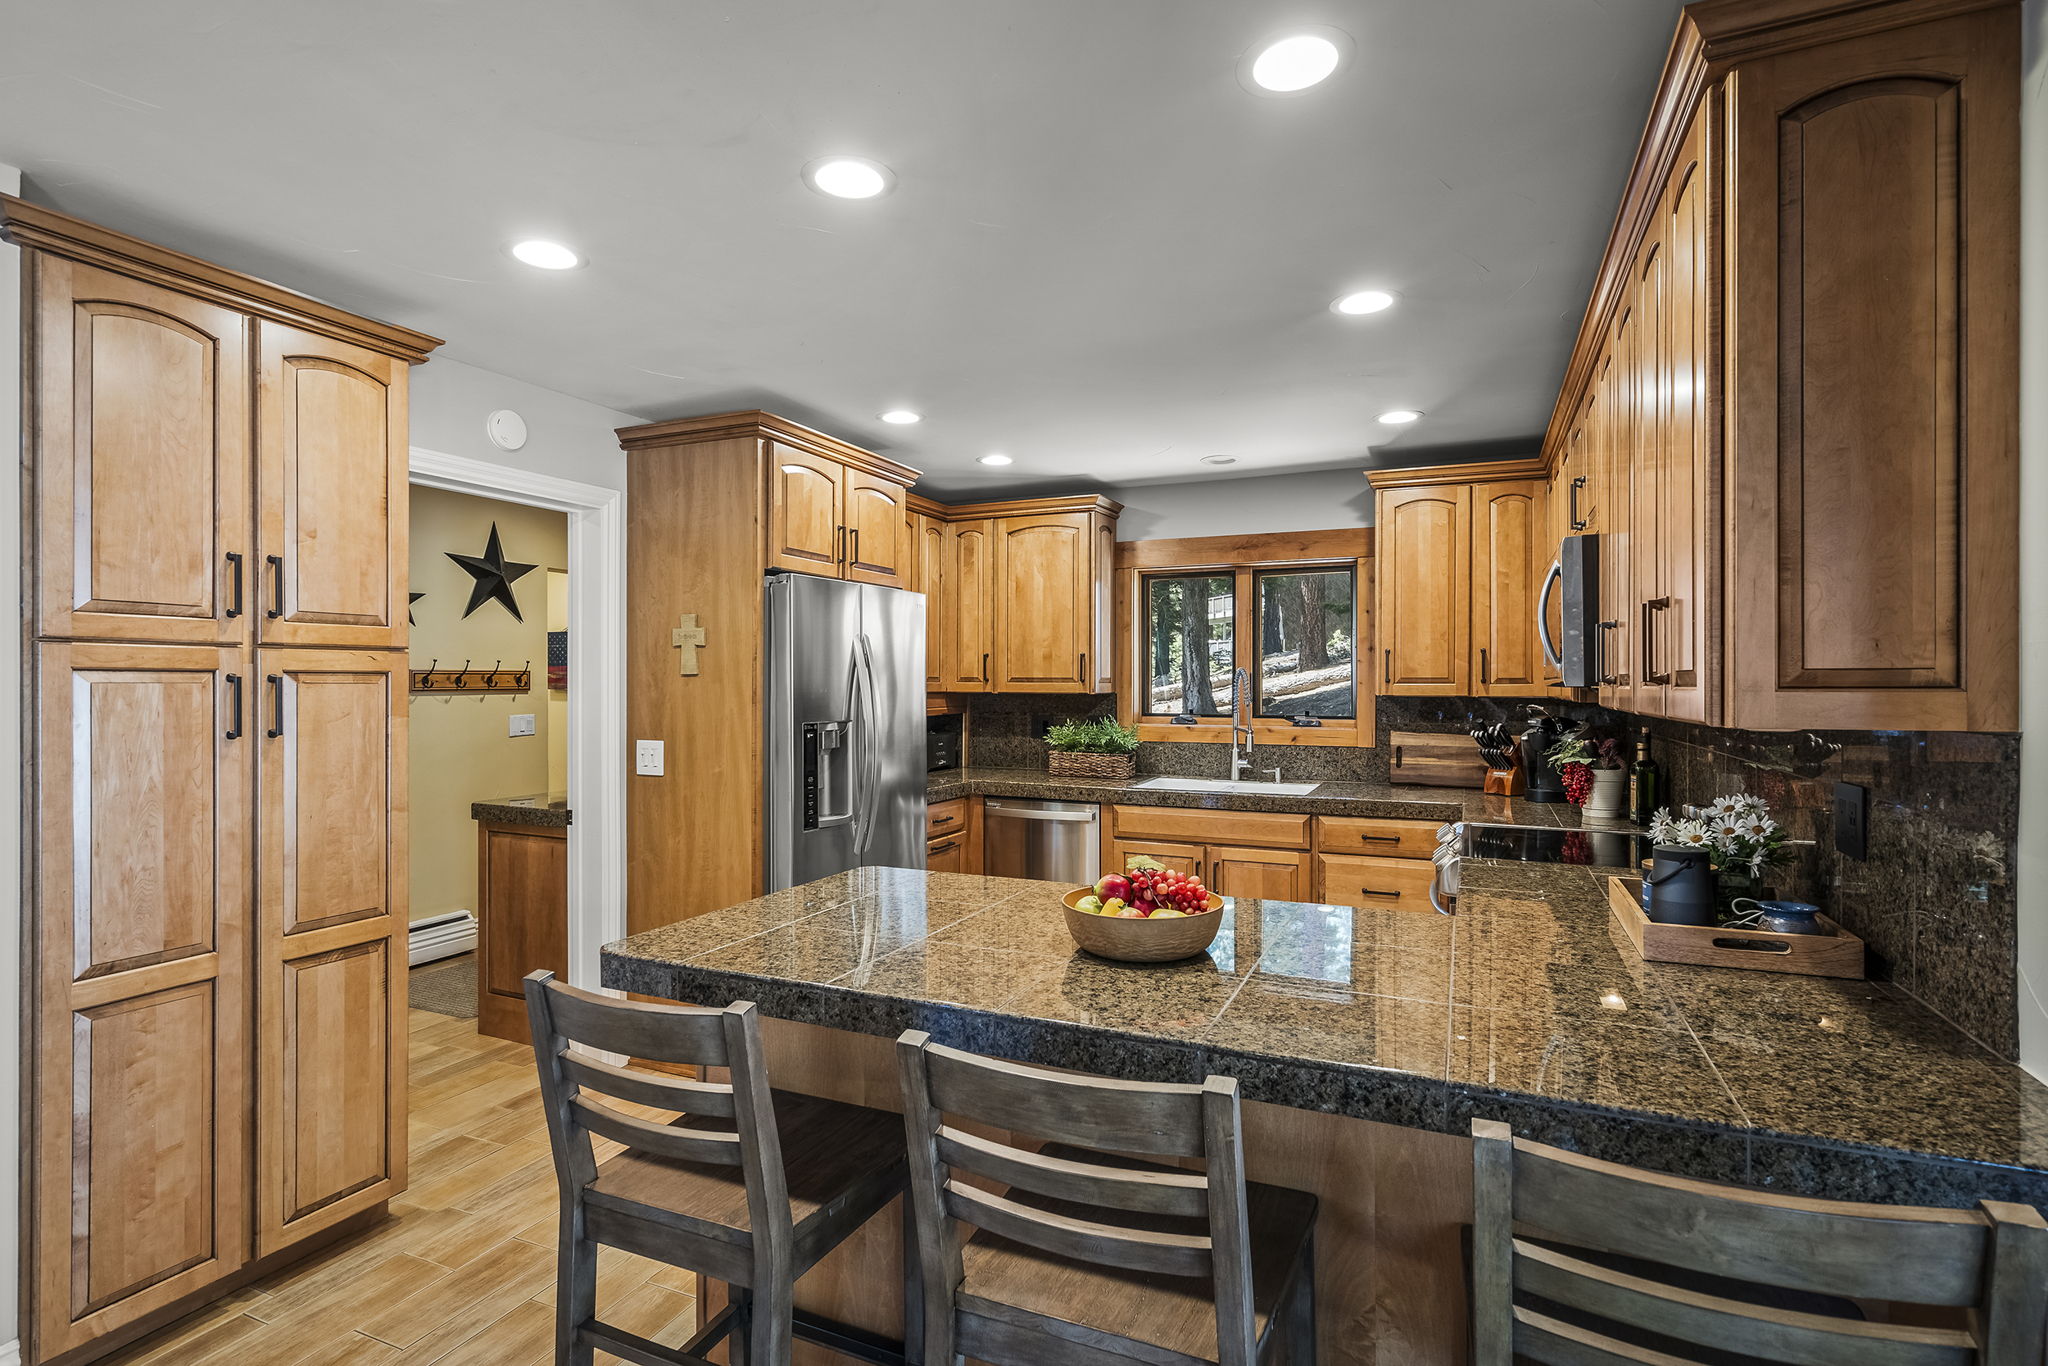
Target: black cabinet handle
1082,667
234,558
1572,504
1387,672
276,682
853,554
1367,891
1381,839
1601,648
942,848
1651,609
276,563
1485,672
234,730
839,544
984,666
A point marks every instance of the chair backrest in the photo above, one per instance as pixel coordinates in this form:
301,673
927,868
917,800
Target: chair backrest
1112,1117
1528,1199
575,1085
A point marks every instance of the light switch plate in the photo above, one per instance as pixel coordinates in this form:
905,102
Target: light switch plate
521,724
650,759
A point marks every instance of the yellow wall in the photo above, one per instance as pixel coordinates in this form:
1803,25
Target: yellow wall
459,750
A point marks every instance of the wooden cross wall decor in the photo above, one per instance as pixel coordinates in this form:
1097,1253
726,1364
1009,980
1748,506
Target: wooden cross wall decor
688,637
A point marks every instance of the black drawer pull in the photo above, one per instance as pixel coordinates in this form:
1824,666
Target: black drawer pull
1381,839
942,848
1370,892
234,731
276,563
276,682
234,558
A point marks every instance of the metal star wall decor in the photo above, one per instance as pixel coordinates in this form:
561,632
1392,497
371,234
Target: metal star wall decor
493,575
410,599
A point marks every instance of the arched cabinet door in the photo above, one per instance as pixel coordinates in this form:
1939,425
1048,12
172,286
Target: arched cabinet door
331,487
1045,631
141,451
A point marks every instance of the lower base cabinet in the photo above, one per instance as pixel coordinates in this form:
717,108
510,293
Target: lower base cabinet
1276,856
522,923
952,834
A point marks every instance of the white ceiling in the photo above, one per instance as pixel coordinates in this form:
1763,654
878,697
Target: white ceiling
1103,257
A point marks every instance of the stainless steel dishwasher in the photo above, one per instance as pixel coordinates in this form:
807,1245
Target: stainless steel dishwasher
1050,841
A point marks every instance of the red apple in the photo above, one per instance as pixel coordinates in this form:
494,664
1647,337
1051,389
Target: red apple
1114,885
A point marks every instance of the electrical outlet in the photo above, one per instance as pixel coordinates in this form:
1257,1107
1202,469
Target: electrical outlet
521,724
650,758
1852,820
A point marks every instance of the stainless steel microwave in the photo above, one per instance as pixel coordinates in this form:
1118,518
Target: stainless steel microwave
1574,580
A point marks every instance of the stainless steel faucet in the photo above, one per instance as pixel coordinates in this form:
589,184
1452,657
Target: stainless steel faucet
1240,724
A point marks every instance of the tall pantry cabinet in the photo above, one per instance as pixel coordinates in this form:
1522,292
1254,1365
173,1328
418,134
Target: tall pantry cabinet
216,592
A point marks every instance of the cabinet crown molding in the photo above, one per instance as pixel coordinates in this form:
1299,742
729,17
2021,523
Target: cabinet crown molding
1419,476
1018,507
42,229
753,422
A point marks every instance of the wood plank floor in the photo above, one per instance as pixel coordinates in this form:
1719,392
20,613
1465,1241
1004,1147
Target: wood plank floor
463,1273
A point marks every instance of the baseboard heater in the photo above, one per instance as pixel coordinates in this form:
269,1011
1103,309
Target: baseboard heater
440,936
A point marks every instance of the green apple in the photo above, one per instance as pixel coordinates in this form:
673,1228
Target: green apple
1091,904
1165,914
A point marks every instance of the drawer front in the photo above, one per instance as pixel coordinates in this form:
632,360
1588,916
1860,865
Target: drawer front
1271,828
1394,884
1380,838
945,818
947,854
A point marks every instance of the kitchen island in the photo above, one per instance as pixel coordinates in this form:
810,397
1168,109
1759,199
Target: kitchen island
1365,1042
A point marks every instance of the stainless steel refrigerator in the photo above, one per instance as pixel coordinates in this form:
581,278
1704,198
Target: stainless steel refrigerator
844,728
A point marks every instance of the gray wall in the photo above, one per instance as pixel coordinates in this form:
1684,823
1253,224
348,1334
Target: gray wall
1314,500
2033,824
565,436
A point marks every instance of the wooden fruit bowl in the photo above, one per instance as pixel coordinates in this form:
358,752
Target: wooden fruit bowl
1142,941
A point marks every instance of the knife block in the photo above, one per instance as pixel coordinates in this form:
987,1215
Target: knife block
1505,782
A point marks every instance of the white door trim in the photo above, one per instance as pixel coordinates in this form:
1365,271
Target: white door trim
597,695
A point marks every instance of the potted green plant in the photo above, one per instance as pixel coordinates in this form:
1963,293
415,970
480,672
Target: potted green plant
1099,747
1592,773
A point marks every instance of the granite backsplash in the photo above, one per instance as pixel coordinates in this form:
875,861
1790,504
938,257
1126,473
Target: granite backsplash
1934,900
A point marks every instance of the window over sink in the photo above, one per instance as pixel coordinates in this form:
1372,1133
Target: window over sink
1291,610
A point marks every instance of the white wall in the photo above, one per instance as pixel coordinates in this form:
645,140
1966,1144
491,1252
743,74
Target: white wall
1314,500
2033,840
10,762
565,436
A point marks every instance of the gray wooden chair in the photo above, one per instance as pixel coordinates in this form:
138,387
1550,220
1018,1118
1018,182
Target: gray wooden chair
746,1185
1092,1255
1577,1262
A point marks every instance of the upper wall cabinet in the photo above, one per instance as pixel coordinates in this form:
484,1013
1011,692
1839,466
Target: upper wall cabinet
834,509
1459,564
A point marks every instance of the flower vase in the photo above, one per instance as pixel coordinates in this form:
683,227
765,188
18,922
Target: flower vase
1610,789
1733,884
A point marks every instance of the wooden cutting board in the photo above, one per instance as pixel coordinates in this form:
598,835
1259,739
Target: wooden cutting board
1434,760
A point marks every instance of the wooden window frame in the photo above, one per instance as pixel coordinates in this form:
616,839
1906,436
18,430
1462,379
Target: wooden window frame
1244,558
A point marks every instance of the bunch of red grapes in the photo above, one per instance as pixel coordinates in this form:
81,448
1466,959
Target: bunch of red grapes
1578,782
1156,888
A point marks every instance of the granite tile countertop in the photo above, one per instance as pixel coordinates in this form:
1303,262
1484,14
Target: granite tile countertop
1527,1006
546,809
1329,799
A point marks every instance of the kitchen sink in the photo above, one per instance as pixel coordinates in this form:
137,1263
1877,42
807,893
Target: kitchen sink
1227,785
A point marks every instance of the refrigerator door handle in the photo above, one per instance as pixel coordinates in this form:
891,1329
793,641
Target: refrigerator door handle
867,776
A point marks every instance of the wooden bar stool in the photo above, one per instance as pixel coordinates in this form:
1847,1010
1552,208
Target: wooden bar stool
1577,1262
1091,1255
747,1185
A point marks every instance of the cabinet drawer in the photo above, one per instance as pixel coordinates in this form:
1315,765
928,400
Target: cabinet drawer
947,854
1395,884
1376,836
1271,828
946,818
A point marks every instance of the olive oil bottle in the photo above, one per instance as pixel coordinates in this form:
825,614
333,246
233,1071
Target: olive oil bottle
1645,782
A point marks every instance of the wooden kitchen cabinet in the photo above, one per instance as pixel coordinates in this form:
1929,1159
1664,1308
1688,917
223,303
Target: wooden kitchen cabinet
832,517
1422,577
1045,609
1181,858
1235,853
1274,874
970,634
522,922
1510,553
952,832
1371,881
216,1046
929,577
805,530
140,1071
143,458
1461,555
878,550
330,945
331,460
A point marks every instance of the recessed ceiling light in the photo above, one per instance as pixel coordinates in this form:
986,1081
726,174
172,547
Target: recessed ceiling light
546,255
995,459
1295,61
1398,417
1219,460
902,417
1364,301
849,177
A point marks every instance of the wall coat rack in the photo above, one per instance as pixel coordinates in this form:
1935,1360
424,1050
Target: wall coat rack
472,681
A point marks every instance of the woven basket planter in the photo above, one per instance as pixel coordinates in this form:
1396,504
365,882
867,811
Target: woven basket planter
1062,764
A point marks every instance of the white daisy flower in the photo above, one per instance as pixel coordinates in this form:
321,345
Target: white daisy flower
1757,827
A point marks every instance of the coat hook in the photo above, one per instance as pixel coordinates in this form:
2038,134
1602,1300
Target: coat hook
462,675
427,680
491,678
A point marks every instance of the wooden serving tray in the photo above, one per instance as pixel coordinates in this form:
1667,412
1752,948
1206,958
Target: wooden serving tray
1813,955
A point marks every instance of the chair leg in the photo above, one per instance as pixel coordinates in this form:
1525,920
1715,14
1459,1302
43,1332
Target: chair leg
575,1289
742,1324
1301,1309
768,1320
913,1288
